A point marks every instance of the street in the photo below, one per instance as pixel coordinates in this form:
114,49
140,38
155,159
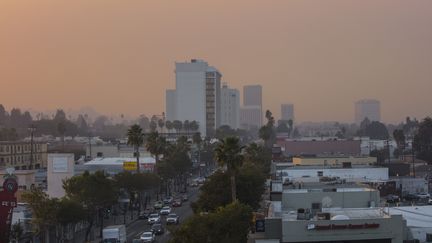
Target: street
135,229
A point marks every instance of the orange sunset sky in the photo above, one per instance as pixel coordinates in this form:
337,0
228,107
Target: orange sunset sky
118,55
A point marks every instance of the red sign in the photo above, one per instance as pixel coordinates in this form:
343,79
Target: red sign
7,203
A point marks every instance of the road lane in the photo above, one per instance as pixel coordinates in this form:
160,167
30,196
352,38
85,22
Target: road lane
135,229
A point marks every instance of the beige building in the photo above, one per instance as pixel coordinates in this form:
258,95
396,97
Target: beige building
17,155
334,161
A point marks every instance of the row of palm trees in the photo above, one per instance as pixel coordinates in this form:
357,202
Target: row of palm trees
186,126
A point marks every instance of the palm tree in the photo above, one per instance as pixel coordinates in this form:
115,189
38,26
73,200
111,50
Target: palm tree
61,129
177,125
169,125
156,145
228,153
193,125
186,126
136,139
161,124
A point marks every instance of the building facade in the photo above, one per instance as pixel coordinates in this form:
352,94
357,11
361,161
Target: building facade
287,112
251,112
370,109
230,107
197,96
170,104
18,155
250,117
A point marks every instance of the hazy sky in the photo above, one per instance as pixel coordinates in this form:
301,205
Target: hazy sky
118,56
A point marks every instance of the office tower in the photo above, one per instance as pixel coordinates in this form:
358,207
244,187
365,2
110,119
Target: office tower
287,112
252,100
170,104
250,117
367,108
197,95
230,107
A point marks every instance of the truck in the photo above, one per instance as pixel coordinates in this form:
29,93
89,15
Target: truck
114,234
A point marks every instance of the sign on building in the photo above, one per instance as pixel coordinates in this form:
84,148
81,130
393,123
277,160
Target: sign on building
130,165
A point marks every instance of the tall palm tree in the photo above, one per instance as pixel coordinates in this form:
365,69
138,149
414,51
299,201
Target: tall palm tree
136,139
177,125
194,125
161,124
156,145
228,153
186,126
169,125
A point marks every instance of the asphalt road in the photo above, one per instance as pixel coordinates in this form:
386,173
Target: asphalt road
135,229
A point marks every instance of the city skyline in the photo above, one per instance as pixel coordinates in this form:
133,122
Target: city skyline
119,58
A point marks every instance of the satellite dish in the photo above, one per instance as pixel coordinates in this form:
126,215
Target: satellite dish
326,202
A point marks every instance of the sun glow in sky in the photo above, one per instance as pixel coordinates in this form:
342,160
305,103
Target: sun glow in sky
118,56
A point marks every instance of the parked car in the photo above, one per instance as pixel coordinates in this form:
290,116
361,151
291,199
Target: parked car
145,214
411,197
430,201
165,210
423,195
148,237
158,205
154,218
157,229
392,198
185,197
172,218
177,202
194,184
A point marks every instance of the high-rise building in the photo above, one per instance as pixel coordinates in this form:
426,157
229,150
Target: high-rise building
287,112
197,95
230,107
252,100
170,104
250,117
367,108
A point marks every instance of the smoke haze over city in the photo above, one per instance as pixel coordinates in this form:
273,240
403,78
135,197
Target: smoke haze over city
119,56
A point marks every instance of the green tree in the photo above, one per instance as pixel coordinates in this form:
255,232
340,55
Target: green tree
229,224
225,131
186,126
423,140
135,138
169,125
258,156
194,126
228,153
161,124
95,192
178,125
399,137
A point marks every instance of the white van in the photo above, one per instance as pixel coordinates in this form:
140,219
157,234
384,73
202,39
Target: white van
114,234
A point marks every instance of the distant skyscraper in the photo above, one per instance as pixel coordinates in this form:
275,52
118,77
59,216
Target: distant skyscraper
250,117
252,100
197,95
170,104
287,112
367,108
230,107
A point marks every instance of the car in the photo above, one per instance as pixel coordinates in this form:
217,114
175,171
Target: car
411,197
185,198
430,201
154,218
165,210
145,214
168,201
194,184
423,195
392,198
177,202
172,218
200,180
158,205
148,236
157,229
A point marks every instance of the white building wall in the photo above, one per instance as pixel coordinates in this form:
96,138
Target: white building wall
230,104
353,174
60,167
190,93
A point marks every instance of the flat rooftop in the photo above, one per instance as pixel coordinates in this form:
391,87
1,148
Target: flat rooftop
312,190
342,214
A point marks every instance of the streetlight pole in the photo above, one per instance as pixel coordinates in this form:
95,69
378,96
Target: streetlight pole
31,128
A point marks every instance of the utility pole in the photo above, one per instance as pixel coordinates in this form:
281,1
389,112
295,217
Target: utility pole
413,157
31,128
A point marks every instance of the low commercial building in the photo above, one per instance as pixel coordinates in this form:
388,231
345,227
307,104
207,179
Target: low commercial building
323,214
418,219
345,161
410,185
327,147
116,165
18,155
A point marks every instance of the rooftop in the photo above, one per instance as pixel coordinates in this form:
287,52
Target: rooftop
119,161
